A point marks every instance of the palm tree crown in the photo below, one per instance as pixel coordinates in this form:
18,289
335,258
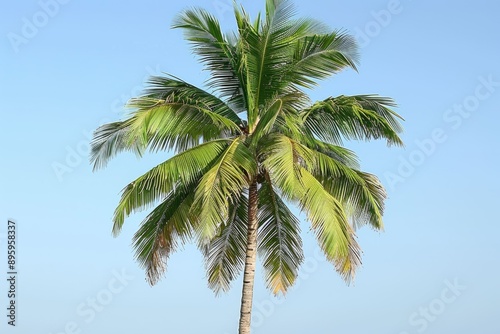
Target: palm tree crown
248,146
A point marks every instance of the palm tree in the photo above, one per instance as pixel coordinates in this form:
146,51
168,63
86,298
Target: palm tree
247,148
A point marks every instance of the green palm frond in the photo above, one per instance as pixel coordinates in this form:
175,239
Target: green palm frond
184,168
216,52
161,231
266,123
288,164
225,254
109,140
247,147
230,174
168,86
280,244
354,117
248,40
329,221
175,115
317,57
267,49
339,153
361,193
366,201
382,107
282,158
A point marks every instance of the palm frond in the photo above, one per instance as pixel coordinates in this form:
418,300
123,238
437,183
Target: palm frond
267,51
161,231
317,57
225,254
216,52
339,153
248,38
360,117
282,159
360,193
266,123
163,87
229,175
184,168
288,164
329,222
109,140
280,244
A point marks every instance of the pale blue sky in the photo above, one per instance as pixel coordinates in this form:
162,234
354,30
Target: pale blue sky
434,269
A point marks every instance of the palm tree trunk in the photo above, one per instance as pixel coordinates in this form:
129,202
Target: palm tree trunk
251,255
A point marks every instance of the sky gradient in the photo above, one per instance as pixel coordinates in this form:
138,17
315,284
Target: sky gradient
69,66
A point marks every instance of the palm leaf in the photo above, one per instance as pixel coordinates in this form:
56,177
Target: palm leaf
111,139
339,153
175,115
184,168
266,123
317,57
163,87
266,49
160,232
225,254
229,175
280,244
360,192
329,221
282,159
354,117
288,164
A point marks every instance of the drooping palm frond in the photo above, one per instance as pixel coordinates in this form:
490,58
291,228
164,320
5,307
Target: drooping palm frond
111,139
366,201
329,221
267,49
266,123
172,114
339,153
161,231
229,175
247,147
288,163
163,87
175,115
282,159
216,52
184,168
362,117
225,254
382,107
280,244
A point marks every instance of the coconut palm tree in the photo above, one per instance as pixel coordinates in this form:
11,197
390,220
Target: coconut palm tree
247,147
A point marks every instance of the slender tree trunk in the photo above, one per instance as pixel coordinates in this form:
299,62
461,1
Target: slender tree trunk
251,255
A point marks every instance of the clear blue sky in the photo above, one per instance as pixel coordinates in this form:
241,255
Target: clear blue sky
68,66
